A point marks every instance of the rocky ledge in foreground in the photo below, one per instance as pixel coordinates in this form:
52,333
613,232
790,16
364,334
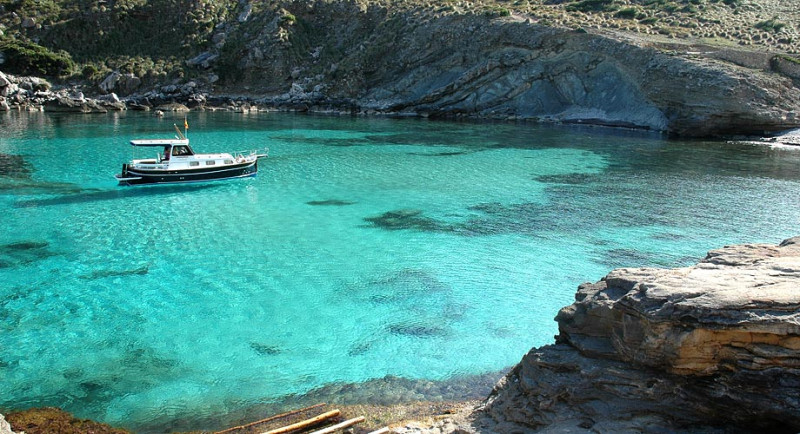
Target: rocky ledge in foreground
710,348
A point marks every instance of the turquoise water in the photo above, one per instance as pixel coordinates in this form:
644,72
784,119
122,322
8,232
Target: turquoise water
364,248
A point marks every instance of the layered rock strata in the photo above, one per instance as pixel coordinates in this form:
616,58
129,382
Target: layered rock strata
714,348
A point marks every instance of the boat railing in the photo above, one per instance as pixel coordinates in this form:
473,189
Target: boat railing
259,152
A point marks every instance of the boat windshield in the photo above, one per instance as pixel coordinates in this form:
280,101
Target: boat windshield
182,150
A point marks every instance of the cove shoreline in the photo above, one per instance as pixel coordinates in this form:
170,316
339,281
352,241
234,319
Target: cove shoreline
388,401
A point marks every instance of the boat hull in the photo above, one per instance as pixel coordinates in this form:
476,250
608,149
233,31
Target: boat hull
135,176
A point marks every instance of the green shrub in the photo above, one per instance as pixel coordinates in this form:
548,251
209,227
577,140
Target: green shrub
772,25
89,71
592,6
497,11
788,58
28,58
288,19
627,13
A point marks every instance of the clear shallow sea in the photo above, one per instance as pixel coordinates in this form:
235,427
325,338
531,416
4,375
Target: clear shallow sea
364,248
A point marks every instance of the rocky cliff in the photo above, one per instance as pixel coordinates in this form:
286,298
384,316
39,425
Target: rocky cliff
457,64
708,348
544,63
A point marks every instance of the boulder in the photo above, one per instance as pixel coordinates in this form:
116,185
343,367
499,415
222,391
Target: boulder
173,107
123,84
203,60
66,104
245,14
713,347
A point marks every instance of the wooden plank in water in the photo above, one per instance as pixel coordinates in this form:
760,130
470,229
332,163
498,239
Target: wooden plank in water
306,423
339,426
271,418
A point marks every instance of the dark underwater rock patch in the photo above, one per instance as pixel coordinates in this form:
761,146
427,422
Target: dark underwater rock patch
359,349
330,202
417,330
625,257
99,274
441,154
25,245
407,219
23,252
14,166
567,178
265,349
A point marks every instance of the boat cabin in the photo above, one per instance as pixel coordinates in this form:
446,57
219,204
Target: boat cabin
177,151
171,147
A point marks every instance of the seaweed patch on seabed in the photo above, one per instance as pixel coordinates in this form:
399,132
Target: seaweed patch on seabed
99,274
441,154
265,349
23,252
144,368
567,178
14,166
425,306
625,258
525,218
407,219
417,330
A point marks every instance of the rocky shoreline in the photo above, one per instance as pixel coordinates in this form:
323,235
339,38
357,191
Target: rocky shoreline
460,65
709,348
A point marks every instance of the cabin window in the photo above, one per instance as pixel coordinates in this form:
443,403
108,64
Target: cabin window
194,163
210,162
228,161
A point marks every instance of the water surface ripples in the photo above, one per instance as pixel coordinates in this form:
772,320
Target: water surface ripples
367,251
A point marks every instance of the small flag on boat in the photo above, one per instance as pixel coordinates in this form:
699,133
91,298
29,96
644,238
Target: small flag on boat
185,124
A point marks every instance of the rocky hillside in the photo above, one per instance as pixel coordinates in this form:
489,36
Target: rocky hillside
688,67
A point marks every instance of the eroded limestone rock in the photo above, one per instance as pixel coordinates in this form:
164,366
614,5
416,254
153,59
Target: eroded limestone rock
711,348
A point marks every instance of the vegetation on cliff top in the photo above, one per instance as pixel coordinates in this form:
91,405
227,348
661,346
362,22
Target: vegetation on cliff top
153,39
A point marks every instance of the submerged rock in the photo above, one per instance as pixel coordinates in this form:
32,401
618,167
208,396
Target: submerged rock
712,348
